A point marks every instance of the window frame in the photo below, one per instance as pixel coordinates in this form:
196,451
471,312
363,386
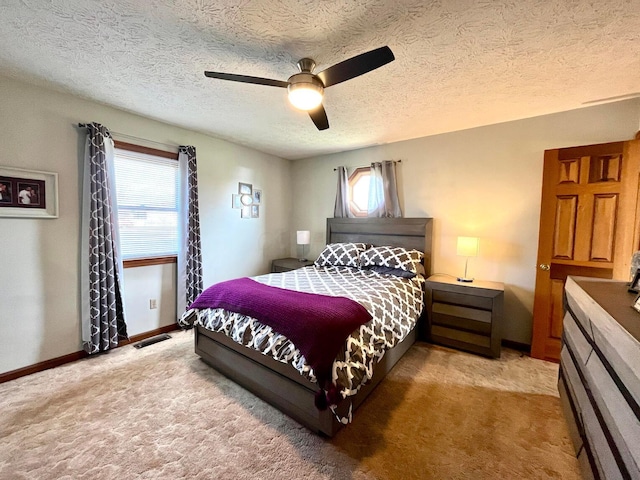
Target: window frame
353,179
147,261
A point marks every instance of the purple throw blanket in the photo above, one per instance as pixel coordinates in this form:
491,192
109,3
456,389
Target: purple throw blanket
318,325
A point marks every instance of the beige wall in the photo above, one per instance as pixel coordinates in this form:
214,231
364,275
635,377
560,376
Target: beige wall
483,182
39,291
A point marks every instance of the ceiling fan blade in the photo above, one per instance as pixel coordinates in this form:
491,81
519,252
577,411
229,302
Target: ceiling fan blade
356,66
247,79
319,117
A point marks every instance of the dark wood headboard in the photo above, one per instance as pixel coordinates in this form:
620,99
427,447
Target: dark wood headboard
398,232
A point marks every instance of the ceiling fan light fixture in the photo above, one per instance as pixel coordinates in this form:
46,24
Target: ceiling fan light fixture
305,91
305,97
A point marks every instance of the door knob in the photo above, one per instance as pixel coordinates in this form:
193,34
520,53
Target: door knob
544,266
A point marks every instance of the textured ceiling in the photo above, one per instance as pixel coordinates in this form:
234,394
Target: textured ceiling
459,64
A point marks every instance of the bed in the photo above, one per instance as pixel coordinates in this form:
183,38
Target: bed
292,390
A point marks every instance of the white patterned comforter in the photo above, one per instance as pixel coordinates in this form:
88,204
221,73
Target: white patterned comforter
394,303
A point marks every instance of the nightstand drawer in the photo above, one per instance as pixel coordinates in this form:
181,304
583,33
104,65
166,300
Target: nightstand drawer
278,269
477,321
443,334
463,312
280,265
485,303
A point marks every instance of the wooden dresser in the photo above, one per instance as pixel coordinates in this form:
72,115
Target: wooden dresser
599,379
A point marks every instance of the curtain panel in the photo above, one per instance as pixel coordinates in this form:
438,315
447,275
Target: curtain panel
189,248
103,320
383,191
342,208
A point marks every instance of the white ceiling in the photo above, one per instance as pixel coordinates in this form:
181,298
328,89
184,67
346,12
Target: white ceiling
459,64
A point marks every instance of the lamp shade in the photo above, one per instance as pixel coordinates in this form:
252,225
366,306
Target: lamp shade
305,98
467,246
303,237
305,91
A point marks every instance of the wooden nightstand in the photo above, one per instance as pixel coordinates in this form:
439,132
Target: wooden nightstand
467,316
287,264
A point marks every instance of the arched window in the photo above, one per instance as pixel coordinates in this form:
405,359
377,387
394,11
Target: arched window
359,191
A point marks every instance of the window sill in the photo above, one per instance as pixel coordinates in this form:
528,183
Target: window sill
145,262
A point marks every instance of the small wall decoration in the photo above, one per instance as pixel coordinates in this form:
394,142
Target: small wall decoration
244,188
247,200
28,193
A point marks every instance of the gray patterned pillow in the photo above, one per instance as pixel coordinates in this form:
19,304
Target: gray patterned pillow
341,254
397,272
392,257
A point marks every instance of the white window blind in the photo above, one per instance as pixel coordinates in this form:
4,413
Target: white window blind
147,197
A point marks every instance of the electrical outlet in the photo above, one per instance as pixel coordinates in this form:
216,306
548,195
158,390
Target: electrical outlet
153,303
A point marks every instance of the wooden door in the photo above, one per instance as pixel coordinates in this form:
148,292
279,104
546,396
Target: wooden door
588,227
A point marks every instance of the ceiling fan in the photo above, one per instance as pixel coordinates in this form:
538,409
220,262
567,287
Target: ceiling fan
306,88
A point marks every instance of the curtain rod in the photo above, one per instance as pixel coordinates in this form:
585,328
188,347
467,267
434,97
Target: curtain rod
131,137
394,161
137,139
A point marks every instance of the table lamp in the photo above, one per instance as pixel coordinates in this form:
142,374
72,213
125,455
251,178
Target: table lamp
303,237
467,247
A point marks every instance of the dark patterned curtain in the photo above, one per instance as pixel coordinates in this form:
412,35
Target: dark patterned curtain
341,208
103,323
189,252
383,191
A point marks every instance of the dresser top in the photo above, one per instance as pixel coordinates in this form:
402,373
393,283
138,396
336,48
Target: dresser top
614,298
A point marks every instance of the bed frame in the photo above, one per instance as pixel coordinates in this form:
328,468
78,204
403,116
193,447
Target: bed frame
280,384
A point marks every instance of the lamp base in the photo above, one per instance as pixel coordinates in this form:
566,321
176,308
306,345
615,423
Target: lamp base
463,279
301,250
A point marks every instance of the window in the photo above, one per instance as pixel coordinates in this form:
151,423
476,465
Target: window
147,192
359,191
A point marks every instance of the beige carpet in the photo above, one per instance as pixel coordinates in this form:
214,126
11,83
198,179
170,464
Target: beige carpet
160,412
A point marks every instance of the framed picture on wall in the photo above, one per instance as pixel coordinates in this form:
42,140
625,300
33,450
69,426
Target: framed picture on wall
28,193
257,197
245,188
